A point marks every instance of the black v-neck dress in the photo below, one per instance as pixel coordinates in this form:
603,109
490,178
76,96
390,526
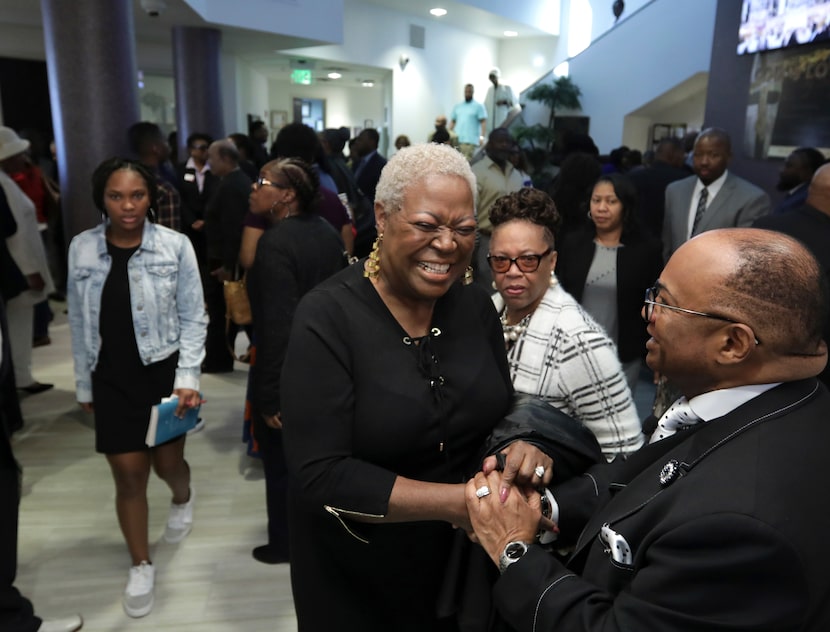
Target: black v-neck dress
361,405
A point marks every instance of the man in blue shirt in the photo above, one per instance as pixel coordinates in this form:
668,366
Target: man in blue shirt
471,119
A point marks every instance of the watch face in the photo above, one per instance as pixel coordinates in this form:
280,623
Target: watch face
515,550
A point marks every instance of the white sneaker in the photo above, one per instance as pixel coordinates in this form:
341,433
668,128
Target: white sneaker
179,520
138,597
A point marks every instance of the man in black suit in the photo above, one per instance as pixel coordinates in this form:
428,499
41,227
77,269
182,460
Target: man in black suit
652,181
795,177
809,223
224,218
196,186
717,523
367,167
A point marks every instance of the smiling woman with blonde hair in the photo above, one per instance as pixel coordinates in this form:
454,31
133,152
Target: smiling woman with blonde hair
394,376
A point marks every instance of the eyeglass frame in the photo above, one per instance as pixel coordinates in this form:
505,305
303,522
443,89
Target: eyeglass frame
265,182
515,260
650,303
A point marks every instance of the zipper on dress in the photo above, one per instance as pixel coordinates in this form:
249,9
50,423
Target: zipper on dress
335,511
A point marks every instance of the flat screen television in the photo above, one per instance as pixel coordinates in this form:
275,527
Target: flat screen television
774,24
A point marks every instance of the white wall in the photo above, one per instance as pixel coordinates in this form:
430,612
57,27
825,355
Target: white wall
522,60
344,106
541,14
603,18
244,91
315,19
434,79
625,69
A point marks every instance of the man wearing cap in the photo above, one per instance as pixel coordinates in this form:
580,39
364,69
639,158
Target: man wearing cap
499,100
27,251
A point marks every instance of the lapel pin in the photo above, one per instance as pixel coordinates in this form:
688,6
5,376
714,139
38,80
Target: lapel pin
669,472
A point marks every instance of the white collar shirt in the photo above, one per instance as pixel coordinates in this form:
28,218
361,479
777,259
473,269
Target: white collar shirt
713,189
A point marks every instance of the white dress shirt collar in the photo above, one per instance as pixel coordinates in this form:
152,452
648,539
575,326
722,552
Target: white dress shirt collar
717,403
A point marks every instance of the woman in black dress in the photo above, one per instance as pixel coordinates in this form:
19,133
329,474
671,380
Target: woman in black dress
137,318
298,250
395,373
607,266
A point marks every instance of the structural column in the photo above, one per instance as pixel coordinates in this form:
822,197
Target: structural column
91,63
196,70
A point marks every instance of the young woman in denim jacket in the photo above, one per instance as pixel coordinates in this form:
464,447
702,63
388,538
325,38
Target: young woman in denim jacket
138,324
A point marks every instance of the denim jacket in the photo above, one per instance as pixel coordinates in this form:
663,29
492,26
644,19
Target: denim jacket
168,306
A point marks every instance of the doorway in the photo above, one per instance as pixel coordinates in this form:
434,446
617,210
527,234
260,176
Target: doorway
311,112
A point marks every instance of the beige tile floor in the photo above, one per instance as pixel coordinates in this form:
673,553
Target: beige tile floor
72,557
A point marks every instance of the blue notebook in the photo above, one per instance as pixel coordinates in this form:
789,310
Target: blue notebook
164,425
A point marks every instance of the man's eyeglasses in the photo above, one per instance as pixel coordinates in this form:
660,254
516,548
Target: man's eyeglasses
651,300
199,147
525,263
264,182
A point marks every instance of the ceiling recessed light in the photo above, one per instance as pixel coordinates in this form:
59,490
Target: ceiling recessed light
367,84
438,12
510,33
334,75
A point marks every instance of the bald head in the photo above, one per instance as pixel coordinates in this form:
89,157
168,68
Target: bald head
223,156
819,192
767,280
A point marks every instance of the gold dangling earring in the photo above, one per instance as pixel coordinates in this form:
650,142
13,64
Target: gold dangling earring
468,276
371,268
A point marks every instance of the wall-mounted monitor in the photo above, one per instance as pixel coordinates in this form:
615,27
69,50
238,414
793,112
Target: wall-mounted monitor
774,24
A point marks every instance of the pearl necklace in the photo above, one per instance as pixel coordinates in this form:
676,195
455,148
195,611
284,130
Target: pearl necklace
512,332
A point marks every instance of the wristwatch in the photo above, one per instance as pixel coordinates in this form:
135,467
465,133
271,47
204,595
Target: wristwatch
512,553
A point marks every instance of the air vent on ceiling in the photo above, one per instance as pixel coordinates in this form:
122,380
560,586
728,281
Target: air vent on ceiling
417,36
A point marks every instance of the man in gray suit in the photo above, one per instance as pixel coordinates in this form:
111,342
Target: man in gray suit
713,198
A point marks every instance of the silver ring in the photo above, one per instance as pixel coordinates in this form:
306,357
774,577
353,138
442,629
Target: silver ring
539,471
483,491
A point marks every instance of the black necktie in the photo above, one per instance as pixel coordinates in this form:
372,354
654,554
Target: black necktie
701,208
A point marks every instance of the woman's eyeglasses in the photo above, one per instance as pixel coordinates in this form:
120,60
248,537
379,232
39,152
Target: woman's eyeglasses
525,263
264,182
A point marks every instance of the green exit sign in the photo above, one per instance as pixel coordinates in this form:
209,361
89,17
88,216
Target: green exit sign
301,76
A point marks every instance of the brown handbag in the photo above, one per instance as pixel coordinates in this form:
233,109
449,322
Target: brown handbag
237,305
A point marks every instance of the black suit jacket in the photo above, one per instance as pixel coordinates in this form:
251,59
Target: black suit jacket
12,281
11,417
367,179
736,540
639,263
651,184
194,201
812,227
224,215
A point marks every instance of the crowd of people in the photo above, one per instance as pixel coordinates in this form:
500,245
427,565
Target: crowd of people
403,313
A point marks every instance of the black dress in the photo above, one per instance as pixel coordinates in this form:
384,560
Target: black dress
361,405
123,388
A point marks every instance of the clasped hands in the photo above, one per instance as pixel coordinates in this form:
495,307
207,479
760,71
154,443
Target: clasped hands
512,508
